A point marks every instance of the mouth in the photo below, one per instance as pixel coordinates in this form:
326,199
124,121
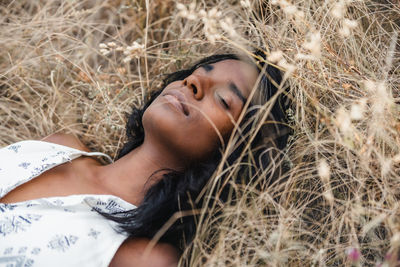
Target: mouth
178,100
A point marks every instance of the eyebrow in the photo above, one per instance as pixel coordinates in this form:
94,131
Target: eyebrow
237,92
207,67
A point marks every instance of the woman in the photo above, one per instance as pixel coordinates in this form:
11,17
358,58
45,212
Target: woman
174,146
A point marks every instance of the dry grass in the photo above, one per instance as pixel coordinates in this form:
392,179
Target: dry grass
338,204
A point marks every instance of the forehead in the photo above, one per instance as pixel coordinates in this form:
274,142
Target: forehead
239,72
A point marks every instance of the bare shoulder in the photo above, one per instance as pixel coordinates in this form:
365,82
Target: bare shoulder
131,253
66,140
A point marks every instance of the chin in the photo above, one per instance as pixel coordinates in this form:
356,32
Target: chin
179,135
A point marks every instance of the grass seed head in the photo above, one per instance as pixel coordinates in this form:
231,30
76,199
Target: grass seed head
343,158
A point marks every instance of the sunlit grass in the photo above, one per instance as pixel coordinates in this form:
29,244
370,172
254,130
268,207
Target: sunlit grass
78,67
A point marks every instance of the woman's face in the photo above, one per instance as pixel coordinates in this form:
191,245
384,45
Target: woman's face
190,116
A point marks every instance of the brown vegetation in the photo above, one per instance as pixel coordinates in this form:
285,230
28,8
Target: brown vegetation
78,67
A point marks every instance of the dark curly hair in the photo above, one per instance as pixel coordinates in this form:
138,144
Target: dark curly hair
177,191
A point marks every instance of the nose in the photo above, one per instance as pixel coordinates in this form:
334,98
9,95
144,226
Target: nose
197,84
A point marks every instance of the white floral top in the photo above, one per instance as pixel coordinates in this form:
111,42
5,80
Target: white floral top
55,231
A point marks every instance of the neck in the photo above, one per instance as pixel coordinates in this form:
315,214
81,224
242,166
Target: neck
132,175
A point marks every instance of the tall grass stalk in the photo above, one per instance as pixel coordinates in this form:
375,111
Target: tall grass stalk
78,67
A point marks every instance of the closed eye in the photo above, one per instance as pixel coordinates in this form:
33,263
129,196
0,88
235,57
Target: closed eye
224,103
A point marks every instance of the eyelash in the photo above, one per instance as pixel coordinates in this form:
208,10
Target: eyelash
224,103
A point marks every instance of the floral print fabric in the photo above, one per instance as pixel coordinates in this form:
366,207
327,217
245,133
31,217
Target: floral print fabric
55,231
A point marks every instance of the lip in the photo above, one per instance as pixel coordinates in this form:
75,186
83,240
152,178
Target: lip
177,99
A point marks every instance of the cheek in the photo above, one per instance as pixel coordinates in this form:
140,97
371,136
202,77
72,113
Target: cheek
204,140
212,131
221,122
